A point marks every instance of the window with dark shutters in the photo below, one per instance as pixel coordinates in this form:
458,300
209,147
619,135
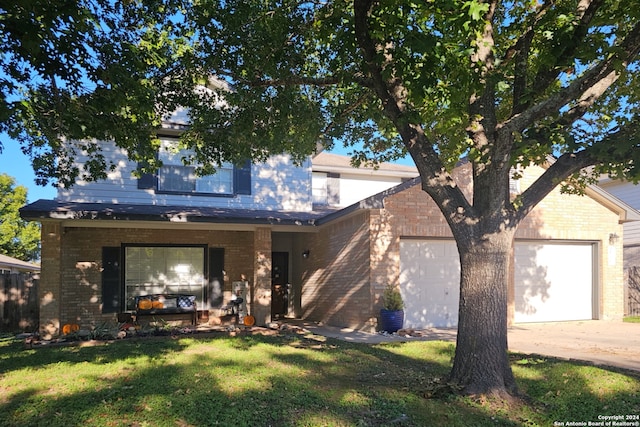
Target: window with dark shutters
176,178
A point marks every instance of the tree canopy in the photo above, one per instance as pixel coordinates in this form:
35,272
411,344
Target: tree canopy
84,71
560,75
18,238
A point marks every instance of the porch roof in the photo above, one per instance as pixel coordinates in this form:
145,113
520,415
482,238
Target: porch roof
62,210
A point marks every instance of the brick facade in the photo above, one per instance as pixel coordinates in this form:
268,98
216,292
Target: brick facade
71,289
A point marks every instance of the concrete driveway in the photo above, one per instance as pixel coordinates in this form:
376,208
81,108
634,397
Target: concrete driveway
610,343
602,342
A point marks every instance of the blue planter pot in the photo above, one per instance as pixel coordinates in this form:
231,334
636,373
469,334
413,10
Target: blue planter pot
391,320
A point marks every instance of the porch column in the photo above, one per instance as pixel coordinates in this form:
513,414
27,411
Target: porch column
50,283
261,293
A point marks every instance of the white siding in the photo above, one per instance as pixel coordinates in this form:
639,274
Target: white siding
630,194
276,185
354,188
625,191
631,233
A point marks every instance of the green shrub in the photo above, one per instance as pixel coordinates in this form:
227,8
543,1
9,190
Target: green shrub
391,299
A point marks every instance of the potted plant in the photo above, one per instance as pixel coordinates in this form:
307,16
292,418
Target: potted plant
392,311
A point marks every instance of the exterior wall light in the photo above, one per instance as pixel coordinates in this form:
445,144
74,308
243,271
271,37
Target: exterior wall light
613,238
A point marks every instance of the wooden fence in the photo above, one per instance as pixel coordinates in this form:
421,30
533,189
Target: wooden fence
19,302
632,291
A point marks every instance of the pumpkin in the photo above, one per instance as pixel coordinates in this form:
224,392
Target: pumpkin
249,320
69,328
145,304
157,305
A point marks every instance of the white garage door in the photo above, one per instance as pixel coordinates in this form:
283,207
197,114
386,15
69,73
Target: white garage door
553,282
429,282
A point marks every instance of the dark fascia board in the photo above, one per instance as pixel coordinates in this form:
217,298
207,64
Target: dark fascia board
59,210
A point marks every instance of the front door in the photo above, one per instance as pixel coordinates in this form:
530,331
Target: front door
279,284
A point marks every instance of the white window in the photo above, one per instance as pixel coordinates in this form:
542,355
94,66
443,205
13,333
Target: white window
164,270
319,188
175,176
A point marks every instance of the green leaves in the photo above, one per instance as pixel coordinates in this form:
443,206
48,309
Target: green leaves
18,238
476,10
85,70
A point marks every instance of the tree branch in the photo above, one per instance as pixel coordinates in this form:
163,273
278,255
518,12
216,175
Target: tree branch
306,81
520,52
586,10
585,89
614,150
565,166
520,43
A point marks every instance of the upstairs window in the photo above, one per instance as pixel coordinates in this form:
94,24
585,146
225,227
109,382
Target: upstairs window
176,177
325,188
319,188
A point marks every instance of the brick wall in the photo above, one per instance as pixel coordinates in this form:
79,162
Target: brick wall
71,269
49,292
336,277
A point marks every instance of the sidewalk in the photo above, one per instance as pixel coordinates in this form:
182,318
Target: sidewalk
611,343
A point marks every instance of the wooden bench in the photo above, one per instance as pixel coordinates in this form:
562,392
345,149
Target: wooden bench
165,307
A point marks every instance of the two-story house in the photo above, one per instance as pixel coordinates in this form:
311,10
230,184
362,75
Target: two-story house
293,230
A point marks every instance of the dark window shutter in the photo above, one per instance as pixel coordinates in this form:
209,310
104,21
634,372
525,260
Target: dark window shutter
242,178
216,276
147,181
111,289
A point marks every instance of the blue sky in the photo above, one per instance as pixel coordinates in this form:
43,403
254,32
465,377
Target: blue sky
14,163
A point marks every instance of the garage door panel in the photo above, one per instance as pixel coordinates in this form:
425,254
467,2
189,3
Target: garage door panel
553,282
429,278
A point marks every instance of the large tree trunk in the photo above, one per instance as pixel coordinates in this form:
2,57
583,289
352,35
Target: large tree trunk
481,364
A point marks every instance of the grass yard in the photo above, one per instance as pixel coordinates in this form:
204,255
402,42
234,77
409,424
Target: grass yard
286,380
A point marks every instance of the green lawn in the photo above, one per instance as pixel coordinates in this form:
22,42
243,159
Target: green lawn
286,380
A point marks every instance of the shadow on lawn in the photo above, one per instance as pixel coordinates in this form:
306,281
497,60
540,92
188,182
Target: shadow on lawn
17,357
285,380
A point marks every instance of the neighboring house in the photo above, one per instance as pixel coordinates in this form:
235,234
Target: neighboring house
630,194
10,265
105,242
